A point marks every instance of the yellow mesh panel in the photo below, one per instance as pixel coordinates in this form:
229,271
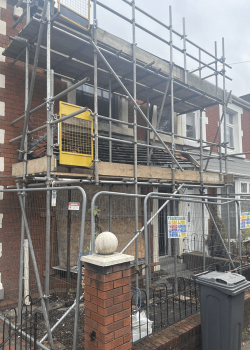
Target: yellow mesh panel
79,6
76,136
76,143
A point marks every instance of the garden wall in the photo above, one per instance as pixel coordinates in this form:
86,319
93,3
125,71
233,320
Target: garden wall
184,335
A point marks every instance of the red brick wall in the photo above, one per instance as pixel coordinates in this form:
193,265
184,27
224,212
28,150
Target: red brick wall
13,97
212,113
213,118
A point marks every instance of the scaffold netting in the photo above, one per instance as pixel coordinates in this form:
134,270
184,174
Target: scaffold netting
81,7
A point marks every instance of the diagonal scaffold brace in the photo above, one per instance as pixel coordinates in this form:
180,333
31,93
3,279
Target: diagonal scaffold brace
38,281
136,105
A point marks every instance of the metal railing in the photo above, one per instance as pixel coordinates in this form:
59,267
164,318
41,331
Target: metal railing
166,306
35,232
16,336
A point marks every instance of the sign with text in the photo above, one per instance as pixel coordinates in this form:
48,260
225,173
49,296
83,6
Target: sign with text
74,206
245,220
177,227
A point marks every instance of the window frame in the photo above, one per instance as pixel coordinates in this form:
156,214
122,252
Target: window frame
194,124
230,127
237,112
87,91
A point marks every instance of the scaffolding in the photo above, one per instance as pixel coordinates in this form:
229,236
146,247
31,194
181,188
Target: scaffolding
107,62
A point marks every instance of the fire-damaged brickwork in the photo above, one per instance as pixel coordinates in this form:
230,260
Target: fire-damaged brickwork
12,94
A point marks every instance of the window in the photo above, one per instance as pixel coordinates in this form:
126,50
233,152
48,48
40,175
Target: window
85,98
243,187
245,205
230,129
165,123
190,125
231,219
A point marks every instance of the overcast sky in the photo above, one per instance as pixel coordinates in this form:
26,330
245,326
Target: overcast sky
206,22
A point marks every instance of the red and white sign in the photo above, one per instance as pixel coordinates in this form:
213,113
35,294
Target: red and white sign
74,206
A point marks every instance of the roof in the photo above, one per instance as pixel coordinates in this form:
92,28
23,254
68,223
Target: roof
236,166
121,153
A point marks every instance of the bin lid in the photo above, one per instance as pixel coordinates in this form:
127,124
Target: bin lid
226,282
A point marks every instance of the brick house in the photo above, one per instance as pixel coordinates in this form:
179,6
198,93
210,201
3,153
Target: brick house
12,92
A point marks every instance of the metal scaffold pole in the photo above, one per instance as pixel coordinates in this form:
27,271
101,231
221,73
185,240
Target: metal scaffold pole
225,140
96,161
216,65
38,281
184,51
175,240
33,77
224,105
202,193
135,137
21,272
110,151
148,133
110,122
49,152
135,104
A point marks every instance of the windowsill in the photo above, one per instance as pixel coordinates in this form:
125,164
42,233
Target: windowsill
191,143
232,152
167,138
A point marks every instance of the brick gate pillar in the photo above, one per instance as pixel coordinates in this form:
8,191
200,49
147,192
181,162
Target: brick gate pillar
107,294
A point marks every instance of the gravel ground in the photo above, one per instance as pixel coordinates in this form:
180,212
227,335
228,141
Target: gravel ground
245,345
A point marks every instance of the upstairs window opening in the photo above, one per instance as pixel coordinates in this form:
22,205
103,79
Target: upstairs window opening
85,98
230,129
190,125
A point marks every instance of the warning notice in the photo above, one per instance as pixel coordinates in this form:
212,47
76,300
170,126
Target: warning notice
74,206
177,227
245,220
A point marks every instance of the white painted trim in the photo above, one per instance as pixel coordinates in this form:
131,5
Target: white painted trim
2,134
1,285
2,81
2,109
1,220
1,164
238,133
2,58
197,128
1,193
3,26
18,11
3,4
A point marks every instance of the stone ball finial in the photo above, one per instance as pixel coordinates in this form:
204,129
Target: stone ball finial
106,243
